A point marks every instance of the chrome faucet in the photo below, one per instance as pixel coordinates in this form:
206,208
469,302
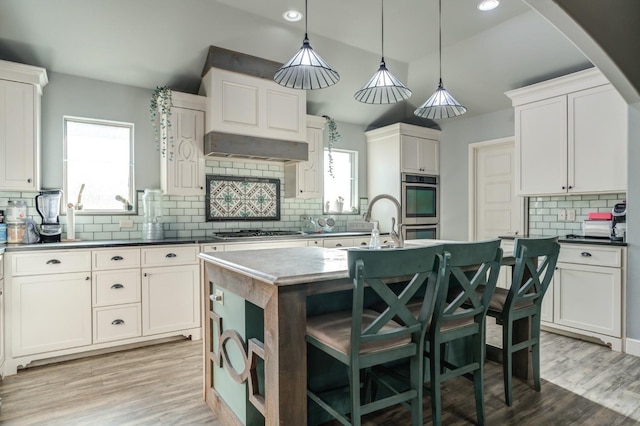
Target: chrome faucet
396,235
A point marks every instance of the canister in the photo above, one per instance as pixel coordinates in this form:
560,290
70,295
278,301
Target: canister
3,233
16,211
15,232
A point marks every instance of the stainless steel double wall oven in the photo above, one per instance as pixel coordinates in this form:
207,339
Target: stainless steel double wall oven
420,206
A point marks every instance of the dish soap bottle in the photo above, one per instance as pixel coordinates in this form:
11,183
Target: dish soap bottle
374,242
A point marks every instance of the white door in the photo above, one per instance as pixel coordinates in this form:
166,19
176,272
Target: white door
494,209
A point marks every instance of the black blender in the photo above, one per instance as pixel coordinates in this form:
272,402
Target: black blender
48,207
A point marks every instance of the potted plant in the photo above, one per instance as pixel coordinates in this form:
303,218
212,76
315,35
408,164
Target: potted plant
339,204
161,104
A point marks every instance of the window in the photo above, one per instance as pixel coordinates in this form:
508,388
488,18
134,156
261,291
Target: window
341,189
98,161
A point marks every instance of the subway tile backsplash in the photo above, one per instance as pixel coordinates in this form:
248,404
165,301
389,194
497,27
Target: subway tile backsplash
184,216
543,212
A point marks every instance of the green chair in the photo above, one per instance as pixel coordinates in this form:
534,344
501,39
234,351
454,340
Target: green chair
535,263
361,338
459,319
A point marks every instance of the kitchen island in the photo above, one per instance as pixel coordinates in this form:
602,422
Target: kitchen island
255,324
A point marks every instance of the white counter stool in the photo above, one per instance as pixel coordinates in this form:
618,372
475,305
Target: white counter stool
535,264
362,338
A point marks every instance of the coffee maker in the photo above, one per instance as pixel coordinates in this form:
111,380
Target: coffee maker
48,207
619,221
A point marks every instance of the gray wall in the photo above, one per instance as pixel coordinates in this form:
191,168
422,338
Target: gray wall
456,136
633,223
83,97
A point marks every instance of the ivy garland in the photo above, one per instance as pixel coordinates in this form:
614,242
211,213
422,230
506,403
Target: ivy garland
334,137
161,103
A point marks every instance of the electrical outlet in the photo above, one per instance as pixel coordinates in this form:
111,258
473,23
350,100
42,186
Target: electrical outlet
562,215
571,215
218,296
126,223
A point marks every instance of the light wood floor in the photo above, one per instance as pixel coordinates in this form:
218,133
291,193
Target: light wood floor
583,384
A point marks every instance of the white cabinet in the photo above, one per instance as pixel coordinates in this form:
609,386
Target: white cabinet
170,289
419,155
570,133
1,316
586,294
182,170
245,105
20,92
304,179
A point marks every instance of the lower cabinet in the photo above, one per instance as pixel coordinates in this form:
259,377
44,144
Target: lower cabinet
50,312
586,295
170,299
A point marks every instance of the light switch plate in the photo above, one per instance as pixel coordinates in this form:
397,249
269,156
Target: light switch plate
562,215
571,215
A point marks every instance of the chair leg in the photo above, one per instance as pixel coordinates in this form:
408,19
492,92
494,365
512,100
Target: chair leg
478,376
436,394
417,377
507,360
354,379
535,351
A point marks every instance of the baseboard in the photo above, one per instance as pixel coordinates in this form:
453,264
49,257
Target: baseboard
632,347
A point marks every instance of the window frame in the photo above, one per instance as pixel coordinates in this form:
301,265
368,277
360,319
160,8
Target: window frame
133,193
353,182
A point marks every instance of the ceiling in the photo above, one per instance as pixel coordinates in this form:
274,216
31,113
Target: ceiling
149,43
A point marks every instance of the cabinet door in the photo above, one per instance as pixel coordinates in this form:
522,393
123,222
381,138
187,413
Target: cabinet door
597,141
419,155
183,172
588,298
1,319
546,310
50,312
304,179
170,299
541,147
18,138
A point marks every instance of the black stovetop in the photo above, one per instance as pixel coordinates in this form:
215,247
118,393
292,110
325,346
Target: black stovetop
246,233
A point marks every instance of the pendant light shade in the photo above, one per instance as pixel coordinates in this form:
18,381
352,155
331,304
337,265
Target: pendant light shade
306,70
441,104
383,87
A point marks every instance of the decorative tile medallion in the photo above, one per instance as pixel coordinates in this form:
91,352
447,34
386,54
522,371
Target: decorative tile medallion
242,198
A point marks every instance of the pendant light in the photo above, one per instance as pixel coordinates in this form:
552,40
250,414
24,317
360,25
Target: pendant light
441,104
383,87
306,70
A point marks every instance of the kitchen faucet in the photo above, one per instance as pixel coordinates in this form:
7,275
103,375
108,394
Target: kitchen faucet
398,240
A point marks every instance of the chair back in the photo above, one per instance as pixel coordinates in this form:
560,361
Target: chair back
419,267
536,260
458,305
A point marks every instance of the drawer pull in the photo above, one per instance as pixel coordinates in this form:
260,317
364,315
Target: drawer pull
338,245
585,254
53,262
116,258
117,286
363,243
170,255
117,322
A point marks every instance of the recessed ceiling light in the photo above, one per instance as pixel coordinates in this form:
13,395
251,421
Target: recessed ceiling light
292,15
485,5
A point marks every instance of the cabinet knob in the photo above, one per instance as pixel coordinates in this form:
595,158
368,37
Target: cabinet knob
585,254
570,187
564,187
116,258
29,180
53,262
117,286
146,275
117,322
170,255
87,278
301,191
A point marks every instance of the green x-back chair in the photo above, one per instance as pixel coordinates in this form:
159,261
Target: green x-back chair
460,314
535,263
361,338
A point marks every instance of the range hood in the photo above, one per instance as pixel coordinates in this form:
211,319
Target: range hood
229,145
248,114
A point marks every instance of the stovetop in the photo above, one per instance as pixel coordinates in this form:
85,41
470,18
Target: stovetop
248,233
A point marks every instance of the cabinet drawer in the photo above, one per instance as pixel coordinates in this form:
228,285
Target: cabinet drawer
116,259
116,287
174,255
213,248
118,323
590,255
315,242
51,262
338,242
361,241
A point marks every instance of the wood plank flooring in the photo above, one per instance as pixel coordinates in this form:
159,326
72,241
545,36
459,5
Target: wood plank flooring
583,384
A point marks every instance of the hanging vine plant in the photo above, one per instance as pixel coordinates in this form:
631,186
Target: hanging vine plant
334,137
161,103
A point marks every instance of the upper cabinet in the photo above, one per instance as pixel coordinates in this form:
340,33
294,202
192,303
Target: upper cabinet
304,179
182,171
419,155
20,92
251,106
571,136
